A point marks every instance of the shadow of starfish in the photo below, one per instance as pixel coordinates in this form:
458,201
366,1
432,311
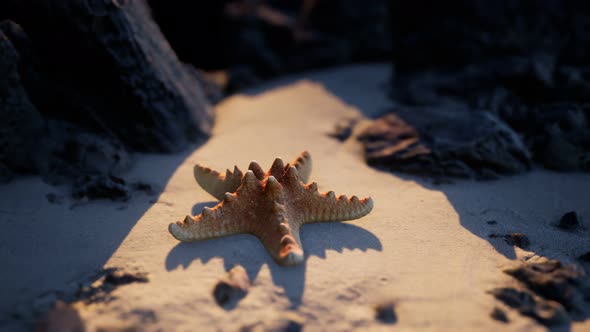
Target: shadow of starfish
249,252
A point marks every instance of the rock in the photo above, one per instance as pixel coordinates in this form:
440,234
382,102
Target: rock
232,288
93,187
22,125
548,313
385,312
118,277
491,222
499,315
61,318
564,284
112,71
569,221
585,257
444,141
517,239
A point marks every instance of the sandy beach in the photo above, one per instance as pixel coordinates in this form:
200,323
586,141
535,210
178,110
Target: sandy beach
426,248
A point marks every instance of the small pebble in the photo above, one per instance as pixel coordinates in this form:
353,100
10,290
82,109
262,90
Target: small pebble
385,312
499,315
232,288
491,222
569,221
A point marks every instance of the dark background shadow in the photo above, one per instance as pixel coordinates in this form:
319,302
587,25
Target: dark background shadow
247,251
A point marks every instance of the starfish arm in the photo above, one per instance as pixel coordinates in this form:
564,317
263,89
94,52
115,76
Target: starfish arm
282,240
314,206
326,206
215,183
303,165
214,222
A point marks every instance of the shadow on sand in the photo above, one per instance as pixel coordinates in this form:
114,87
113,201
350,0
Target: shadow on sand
246,250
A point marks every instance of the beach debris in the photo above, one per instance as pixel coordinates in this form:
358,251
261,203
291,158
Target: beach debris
61,318
548,313
101,186
343,129
499,315
272,206
106,281
569,221
232,288
514,239
566,284
385,312
550,292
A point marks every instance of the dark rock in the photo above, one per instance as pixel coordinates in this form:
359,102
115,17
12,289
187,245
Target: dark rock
61,318
343,129
535,81
232,288
111,71
118,278
569,221
565,284
385,312
449,141
517,239
499,315
491,222
548,313
22,125
101,187
585,257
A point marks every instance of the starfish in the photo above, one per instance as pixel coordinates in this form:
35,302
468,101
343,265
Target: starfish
271,206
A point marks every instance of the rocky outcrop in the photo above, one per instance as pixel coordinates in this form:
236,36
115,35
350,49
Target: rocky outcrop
446,141
91,80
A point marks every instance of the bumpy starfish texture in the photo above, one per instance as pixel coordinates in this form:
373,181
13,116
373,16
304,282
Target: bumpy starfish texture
272,206
218,184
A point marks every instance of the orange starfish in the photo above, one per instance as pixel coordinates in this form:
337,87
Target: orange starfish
272,206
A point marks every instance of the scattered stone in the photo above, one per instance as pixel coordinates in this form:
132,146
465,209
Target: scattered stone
514,239
585,257
107,280
499,315
232,288
448,141
491,222
548,313
569,221
117,277
101,187
54,198
566,284
343,129
61,318
517,239
385,312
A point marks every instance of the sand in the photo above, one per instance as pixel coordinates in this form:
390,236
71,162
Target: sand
424,247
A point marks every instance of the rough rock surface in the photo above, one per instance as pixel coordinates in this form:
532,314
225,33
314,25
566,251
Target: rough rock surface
92,81
444,142
552,293
508,58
